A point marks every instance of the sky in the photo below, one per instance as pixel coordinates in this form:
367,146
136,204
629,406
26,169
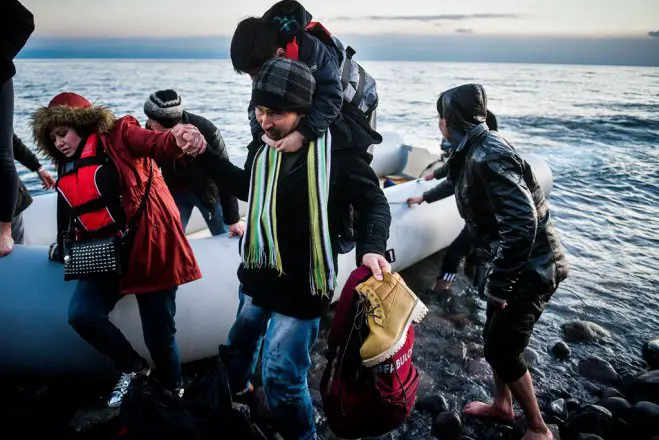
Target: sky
534,31
175,18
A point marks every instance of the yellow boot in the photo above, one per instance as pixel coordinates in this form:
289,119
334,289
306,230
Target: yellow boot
391,308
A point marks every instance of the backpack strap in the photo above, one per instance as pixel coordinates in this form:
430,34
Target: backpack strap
360,86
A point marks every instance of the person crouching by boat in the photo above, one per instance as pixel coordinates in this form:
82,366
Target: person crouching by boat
289,249
105,172
509,218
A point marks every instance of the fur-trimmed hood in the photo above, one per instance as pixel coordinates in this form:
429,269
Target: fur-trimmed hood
84,120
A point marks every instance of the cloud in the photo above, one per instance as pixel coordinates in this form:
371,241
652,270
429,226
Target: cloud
464,31
431,18
653,33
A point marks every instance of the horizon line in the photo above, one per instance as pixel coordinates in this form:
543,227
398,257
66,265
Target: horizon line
391,60
631,34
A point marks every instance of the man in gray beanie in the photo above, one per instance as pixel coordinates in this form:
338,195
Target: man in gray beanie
289,250
188,183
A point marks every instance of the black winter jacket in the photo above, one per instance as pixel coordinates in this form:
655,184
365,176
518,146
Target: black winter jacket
16,26
186,172
352,182
502,203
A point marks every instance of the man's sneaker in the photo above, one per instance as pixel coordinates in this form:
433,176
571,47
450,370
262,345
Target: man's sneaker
391,308
122,386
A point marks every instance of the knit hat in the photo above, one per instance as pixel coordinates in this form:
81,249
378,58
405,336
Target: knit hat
165,107
285,85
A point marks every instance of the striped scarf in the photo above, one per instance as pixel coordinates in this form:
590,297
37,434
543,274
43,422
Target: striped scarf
260,246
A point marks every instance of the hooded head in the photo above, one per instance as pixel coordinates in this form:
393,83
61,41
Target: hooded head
290,15
461,109
68,112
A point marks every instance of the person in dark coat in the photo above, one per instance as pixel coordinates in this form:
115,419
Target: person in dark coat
186,180
16,26
105,166
24,156
463,244
509,219
289,249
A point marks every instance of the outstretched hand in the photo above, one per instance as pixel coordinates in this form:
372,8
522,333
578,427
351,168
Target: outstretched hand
376,264
415,200
47,180
189,139
237,229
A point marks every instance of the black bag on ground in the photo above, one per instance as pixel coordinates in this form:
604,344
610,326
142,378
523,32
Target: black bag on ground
205,412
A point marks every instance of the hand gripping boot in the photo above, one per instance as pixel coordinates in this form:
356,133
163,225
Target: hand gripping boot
390,309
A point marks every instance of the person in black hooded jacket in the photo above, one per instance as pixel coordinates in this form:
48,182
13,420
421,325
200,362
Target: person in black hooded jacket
508,216
462,246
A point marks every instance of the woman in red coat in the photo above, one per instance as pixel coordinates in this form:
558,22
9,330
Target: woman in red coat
104,166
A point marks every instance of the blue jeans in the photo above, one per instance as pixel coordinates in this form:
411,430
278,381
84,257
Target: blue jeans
186,200
286,361
92,302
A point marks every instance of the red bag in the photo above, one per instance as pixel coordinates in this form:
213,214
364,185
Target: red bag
364,401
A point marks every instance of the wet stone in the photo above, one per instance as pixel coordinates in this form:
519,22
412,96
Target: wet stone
591,388
530,357
584,331
610,392
651,353
645,388
643,418
433,404
595,368
558,408
474,350
447,426
499,432
479,367
617,405
560,350
592,419
572,406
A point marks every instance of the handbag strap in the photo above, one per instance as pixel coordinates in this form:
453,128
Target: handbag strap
132,223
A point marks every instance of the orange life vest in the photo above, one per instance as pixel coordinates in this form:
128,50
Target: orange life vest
80,188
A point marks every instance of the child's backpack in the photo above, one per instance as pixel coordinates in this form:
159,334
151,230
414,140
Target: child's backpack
359,88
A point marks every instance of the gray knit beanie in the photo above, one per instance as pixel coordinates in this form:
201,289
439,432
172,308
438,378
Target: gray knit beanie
165,107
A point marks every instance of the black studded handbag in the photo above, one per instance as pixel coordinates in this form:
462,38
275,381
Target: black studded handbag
98,256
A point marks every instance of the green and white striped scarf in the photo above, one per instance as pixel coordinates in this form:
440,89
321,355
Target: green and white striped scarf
260,246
